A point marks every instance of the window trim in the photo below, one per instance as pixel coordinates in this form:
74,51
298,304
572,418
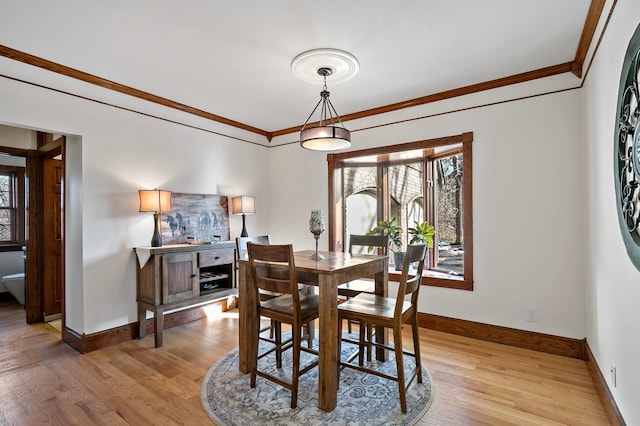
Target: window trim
336,163
18,175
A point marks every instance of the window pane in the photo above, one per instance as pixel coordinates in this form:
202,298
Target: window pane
449,208
360,191
5,225
5,191
406,188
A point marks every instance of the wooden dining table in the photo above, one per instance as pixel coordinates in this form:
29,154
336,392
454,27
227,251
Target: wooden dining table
336,268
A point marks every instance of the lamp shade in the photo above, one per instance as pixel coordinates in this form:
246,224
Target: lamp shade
243,204
154,200
325,138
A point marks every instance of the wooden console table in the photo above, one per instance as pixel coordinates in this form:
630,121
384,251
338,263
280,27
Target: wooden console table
181,275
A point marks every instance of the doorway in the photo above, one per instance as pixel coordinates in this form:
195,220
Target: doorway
39,220
52,215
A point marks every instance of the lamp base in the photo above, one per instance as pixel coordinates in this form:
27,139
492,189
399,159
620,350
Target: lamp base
156,241
244,228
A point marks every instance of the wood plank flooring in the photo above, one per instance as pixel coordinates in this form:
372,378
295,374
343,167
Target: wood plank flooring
43,381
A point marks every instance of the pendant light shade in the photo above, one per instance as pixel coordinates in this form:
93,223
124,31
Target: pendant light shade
329,134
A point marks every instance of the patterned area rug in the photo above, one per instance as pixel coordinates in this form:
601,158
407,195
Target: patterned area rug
363,399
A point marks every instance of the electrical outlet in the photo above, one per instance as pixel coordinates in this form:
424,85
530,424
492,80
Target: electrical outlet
614,381
533,314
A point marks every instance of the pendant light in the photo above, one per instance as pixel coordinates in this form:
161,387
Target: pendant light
326,133
326,136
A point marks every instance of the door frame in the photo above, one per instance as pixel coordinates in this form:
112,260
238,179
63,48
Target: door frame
47,148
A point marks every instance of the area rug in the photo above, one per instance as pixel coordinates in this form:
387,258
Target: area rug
363,399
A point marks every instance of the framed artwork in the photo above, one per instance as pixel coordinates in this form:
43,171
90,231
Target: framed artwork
627,150
195,218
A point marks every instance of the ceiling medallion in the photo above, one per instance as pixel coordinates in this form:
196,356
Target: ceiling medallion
627,150
343,65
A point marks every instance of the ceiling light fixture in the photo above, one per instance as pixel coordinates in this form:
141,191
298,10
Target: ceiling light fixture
328,133
326,136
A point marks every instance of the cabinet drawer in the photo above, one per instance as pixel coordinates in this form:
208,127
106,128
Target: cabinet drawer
215,257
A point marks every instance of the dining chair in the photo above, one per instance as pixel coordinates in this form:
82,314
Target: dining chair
371,310
354,288
291,307
241,250
241,244
370,242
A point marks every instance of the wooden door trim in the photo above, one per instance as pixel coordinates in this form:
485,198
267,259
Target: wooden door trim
34,301
52,243
34,278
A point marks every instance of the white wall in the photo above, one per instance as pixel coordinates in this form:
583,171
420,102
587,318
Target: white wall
612,282
120,153
527,193
15,137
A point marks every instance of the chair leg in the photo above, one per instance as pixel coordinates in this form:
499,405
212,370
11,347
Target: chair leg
253,358
297,337
397,343
310,333
362,343
339,347
416,347
278,339
369,342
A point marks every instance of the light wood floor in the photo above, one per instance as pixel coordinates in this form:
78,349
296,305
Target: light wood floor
43,381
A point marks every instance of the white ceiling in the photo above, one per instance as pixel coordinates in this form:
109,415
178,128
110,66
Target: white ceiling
232,58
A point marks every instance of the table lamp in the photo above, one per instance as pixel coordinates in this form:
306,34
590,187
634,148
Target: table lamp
243,205
156,201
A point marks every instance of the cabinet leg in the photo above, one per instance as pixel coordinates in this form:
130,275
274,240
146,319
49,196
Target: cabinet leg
158,326
142,322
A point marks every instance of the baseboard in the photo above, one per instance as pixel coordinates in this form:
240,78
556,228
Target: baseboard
573,348
73,339
124,333
610,407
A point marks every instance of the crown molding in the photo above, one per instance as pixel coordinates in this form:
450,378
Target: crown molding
575,66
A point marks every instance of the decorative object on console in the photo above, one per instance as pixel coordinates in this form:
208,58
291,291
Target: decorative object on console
626,151
340,66
242,205
316,226
196,219
156,201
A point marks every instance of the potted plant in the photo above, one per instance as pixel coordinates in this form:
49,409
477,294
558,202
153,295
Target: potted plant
422,232
394,232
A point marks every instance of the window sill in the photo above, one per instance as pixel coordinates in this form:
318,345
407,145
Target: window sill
11,247
438,279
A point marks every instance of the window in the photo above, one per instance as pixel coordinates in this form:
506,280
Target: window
12,206
413,182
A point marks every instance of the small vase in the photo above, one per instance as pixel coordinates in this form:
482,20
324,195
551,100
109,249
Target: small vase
316,226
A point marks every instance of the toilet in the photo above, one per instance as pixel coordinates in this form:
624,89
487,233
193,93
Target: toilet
15,284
